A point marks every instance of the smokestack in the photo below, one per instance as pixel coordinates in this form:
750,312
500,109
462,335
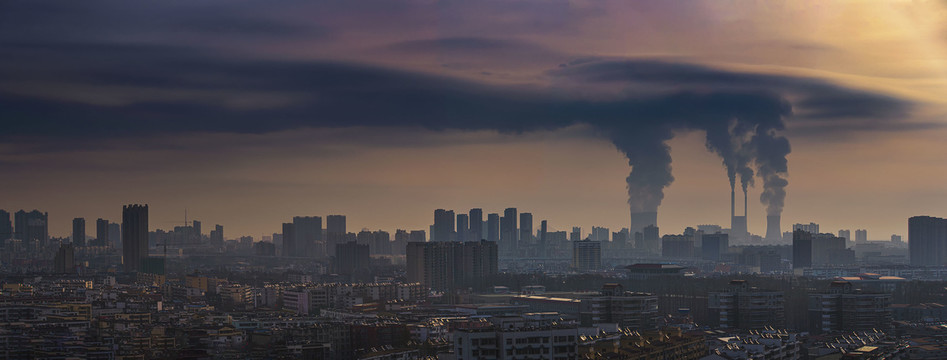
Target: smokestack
733,202
744,203
641,220
773,232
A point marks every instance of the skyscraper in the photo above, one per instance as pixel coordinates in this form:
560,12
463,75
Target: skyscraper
526,228
101,232
847,234
801,249
650,240
309,236
32,228
463,227
6,227
448,265
443,225
115,235
78,232
713,246
509,236
217,236
576,234
586,255
335,232
65,260
493,227
134,236
476,225
352,259
927,241
289,240
861,236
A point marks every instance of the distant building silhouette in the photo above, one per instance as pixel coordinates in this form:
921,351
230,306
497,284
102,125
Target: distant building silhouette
747,308
443,225
65,260
101,232
493,228
526,229
6,227
509,235
309,236
115,235
352,259
134,236
448,266
476,225
861,236
847,234
78,232
677,246
335,232
927,241
217,236
576,234
828,249
417,236
650,240
801,249
289,240
713,246
811,228
32,228
586,255
463,227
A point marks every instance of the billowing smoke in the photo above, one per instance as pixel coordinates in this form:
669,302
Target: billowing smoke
771,151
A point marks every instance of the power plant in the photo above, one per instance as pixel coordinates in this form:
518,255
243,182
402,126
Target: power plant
773,232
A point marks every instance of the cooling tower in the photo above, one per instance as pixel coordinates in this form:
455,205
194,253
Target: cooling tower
641,220
773,232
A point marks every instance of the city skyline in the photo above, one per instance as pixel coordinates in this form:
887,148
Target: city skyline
172,131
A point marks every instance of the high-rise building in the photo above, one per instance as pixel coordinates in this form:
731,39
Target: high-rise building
32,228
811,228
843,308
6,227
896,238
526,228
443,225
509,234
650,240
586,255
713,246
847,234
309,236
134,236
65,260
463,227
78,232
599,234
493,227
335,232
101,232
352,259
448,265
828,249
641,220
417,236
927,241
217,236
747,308
576,234
198,235
621,239
801,249
861,236
677,246
476,225
289,240
115,235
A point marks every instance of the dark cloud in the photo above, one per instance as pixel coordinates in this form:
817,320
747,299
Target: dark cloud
110,91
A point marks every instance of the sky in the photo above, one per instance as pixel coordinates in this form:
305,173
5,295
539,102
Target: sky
247,113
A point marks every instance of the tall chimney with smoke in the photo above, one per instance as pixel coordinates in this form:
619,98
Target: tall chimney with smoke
773,232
